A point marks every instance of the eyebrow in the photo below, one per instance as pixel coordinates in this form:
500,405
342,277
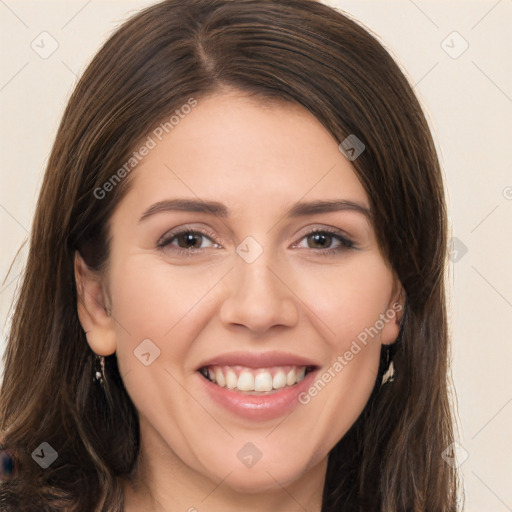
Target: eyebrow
300,209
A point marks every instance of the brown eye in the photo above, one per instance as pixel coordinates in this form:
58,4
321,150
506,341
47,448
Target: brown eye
322,240
186,240
189,240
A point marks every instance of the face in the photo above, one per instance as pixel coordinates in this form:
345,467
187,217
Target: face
247,331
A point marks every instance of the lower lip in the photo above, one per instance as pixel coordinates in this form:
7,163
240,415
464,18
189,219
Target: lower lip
258,407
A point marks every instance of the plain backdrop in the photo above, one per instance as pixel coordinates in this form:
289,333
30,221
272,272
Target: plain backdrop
456,54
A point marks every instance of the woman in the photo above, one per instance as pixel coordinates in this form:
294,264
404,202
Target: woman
234,296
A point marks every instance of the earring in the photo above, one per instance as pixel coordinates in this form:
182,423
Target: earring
389,375
99,370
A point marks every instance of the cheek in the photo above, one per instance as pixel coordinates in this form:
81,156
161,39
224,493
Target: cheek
152,298
350,299
167,305
349,313
159,312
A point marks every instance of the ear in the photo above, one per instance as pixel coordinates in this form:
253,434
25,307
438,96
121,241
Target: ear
94,309
393,315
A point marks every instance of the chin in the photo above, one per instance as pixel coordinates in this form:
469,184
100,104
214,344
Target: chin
264,479
250,485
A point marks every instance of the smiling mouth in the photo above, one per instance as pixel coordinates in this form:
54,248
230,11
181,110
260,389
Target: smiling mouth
255,380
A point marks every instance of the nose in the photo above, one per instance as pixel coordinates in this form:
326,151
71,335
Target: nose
259,297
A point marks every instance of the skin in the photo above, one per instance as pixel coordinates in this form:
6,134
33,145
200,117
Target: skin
258,160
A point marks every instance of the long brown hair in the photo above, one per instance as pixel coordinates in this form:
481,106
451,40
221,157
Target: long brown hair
297,51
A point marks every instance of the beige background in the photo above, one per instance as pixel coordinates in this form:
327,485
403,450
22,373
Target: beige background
468,98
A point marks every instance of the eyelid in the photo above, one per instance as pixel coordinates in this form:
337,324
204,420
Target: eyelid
325,228
185,229
344,239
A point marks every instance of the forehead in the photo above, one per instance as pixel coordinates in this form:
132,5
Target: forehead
235,149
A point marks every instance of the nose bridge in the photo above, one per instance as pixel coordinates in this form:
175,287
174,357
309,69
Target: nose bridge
258,297
253,263
258,277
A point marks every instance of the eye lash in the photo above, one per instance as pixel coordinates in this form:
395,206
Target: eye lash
346,243
167,238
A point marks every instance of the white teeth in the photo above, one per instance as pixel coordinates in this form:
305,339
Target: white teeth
263,382
231,379
279,380
246,382
258,380
291,377
219,377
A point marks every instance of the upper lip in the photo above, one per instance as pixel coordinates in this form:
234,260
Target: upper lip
258,360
